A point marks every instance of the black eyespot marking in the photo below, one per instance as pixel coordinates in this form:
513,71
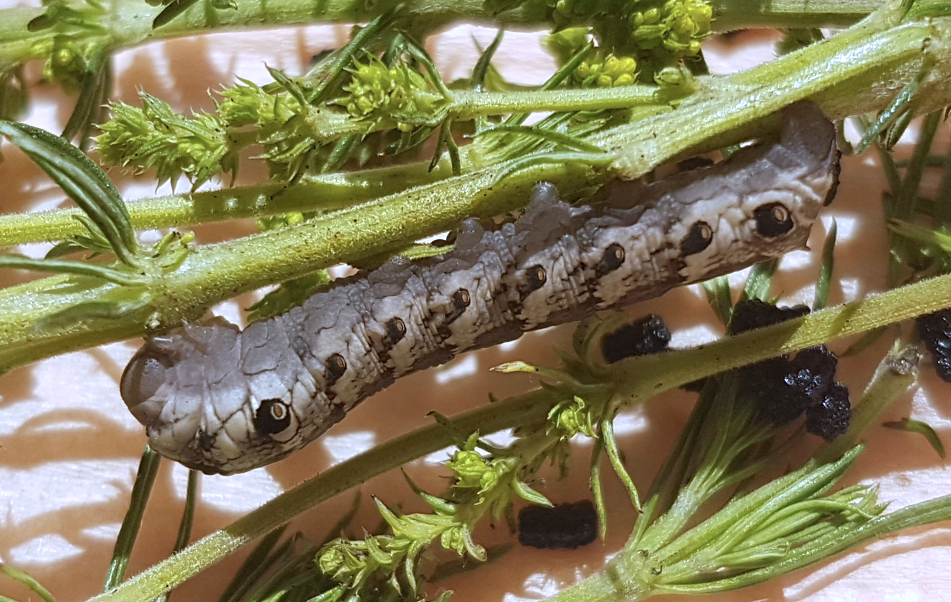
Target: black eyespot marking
335,366
773,220
460,299
395,331
535,278
697,239
612,260
272,417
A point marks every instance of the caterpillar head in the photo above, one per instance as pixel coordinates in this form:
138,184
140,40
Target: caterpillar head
193,392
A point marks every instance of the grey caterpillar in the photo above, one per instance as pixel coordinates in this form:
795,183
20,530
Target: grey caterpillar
223,401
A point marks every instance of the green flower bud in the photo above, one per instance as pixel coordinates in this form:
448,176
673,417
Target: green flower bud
395,96
469,467
606,71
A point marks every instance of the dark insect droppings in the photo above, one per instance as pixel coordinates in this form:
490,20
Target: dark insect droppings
783,388
935,332
754,313
641,337
564,526
832,416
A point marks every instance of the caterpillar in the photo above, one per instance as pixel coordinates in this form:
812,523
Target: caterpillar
225,401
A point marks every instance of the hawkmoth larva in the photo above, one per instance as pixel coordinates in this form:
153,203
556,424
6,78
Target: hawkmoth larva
223,401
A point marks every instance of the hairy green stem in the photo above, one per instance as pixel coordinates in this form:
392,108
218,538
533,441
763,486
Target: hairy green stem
470,104
127,23
872,53
859,70
669,371
741,14
311,193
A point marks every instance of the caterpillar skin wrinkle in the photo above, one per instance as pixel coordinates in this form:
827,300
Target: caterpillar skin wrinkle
224,401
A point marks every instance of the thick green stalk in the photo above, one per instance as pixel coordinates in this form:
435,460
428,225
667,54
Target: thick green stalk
311,193
858,71
836,65
127,23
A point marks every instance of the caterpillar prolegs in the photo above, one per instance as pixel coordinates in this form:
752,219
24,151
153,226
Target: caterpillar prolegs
224,401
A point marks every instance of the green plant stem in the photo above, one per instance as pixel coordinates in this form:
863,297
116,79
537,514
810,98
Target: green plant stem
127,23
739,14
470,104
663,372
856,71
311,193
877,55
638,379
525,409
144,479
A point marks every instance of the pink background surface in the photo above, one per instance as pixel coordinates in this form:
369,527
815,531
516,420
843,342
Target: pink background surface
69,448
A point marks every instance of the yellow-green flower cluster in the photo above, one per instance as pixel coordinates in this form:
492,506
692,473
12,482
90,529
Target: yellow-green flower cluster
475,473
249,104
570,418
606,71
633,37
154,136
395,96
382,565
573,12
677,26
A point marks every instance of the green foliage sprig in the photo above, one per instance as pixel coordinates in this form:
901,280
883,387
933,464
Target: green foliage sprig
381,92
315,123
